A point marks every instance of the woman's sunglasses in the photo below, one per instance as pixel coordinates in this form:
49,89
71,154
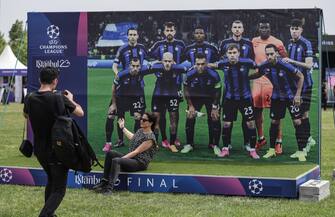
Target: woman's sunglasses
144,120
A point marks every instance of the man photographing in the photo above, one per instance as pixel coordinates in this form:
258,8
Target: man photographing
41,108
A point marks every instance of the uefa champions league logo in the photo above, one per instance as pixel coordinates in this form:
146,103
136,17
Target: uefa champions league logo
54,45
53,31
255,186
6,175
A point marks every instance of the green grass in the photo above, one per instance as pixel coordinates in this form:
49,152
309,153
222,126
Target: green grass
21,201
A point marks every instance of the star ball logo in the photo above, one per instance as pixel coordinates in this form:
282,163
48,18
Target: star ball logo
53,31
255,186
54,45
6,175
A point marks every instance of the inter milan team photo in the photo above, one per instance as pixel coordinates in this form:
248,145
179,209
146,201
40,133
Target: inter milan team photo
236,80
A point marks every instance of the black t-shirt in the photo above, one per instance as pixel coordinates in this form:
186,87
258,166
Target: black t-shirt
42,109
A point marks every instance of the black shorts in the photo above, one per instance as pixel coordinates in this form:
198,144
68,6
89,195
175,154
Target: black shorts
278,109
130,103
163,103
198,102
230,108
306,100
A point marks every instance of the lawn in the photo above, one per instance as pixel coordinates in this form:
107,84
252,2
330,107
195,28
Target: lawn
21,201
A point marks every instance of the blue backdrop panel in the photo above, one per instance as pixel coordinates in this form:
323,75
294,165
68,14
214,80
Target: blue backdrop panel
145,182
56,39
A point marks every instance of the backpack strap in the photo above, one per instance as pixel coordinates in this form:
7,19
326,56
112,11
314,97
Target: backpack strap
62,110
97,163
25,121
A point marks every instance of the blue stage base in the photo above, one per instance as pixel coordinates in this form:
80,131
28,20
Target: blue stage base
174,183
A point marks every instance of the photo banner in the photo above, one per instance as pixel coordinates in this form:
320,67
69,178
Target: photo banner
86,46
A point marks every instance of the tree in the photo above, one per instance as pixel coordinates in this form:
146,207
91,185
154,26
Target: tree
2,42
18,41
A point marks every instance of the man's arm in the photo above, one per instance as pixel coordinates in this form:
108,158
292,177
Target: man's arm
217,94
112,108
153,51
297,97
308,64
179,68
213,65
255,75
187,96
184,55
282,50
146,70
115,69
191,109
78,111
116,61
216,55
252,52
215,114
113,93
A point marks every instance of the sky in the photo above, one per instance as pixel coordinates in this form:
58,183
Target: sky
11,10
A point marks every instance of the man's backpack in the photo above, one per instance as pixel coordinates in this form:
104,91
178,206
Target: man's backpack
70,144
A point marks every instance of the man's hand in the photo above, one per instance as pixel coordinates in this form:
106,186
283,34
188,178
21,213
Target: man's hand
68,95
191,112
297,100
121,123
112,109
215,115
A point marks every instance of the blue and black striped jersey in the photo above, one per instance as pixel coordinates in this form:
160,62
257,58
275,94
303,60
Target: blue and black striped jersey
127,84
167,82
280,75
202,84
211,52
176,47
236,78
126,52
299,50
245,45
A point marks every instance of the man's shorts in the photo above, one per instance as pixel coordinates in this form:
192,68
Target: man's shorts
262,92
198,102
163,103
230,108
306,100
278,109
130,103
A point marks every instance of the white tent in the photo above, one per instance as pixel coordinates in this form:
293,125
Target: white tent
8,60
10,65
